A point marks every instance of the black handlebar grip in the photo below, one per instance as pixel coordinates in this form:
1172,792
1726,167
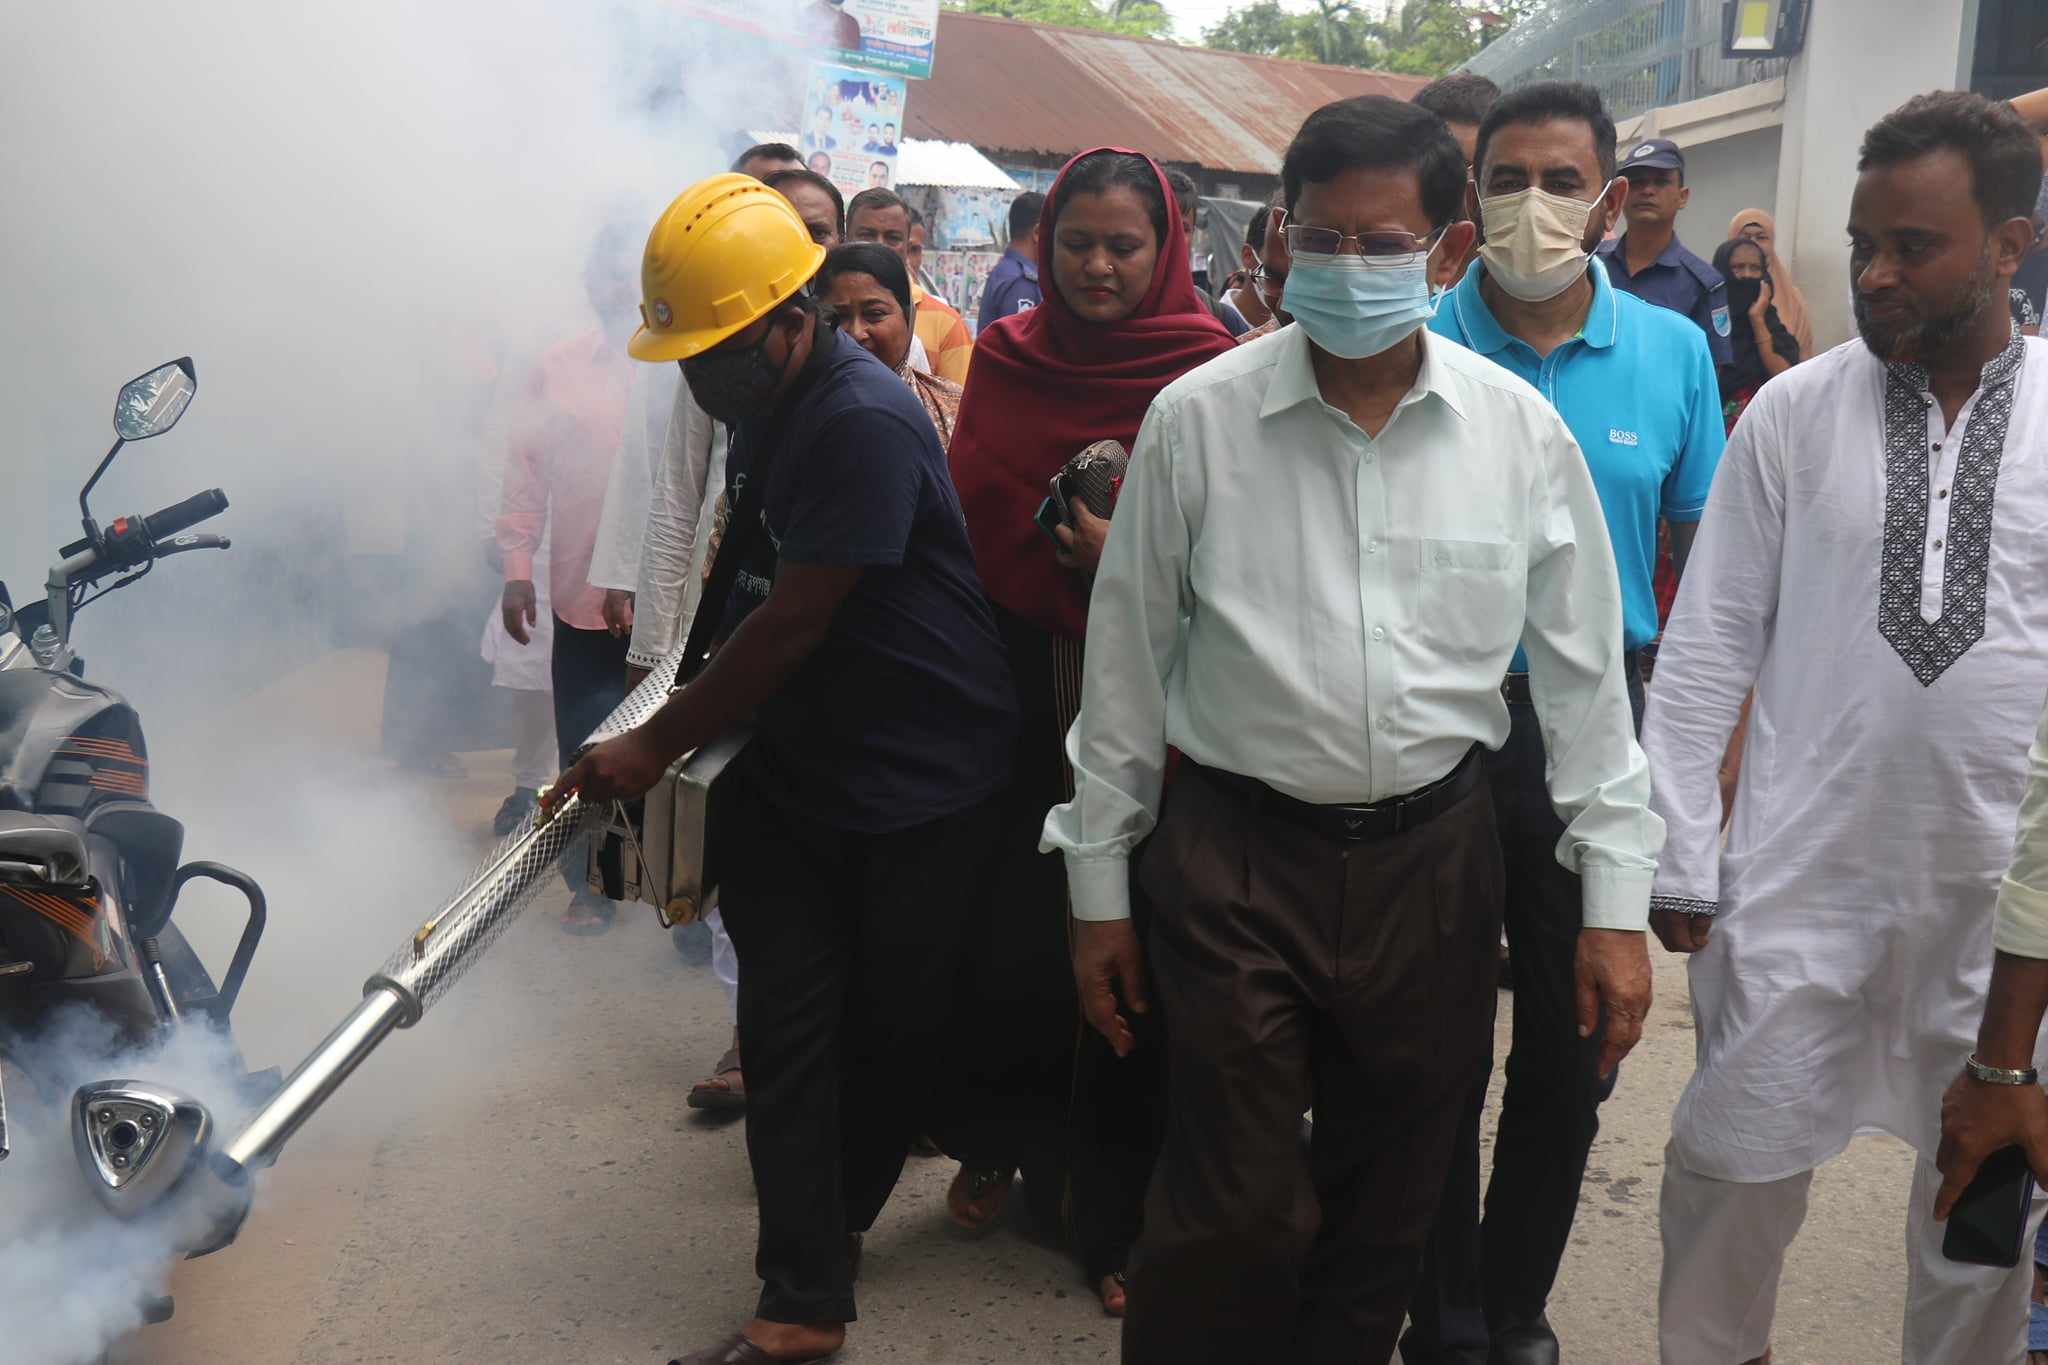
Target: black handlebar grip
190,512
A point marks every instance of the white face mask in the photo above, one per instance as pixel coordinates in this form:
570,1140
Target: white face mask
1535,241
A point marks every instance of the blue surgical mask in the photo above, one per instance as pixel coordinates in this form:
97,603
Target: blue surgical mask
1354,309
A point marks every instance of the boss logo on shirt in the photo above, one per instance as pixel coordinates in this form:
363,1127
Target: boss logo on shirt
1622,438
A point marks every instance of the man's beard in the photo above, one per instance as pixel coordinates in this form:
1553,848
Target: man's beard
1930,338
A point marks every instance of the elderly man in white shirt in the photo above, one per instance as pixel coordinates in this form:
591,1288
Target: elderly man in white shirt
1871,564
1328,546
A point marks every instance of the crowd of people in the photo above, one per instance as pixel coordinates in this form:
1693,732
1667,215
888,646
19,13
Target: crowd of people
1484,592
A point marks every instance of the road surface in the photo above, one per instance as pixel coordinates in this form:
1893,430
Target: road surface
518,1179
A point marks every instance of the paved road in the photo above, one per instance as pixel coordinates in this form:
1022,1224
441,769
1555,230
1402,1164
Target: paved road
518,1179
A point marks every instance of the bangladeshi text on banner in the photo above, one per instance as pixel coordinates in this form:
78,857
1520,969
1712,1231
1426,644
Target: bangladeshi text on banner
897,36
852,126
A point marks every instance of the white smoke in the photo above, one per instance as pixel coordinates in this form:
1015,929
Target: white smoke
364,222
72,1275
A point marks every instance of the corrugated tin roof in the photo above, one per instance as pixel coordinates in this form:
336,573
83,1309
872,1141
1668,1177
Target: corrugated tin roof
1006,85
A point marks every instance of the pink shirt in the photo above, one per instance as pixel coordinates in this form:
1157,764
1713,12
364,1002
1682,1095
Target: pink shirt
556,469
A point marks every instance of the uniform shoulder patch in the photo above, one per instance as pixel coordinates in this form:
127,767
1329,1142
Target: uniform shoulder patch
1721,320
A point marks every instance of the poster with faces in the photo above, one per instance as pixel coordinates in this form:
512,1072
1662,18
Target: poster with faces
852,126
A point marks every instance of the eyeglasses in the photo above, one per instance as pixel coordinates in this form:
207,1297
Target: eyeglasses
1374,246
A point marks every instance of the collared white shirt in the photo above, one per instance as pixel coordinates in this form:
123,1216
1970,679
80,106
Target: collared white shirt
621,526
687,480
1284,597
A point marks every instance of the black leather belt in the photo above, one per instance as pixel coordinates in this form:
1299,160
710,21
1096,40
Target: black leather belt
1514,688
1357,824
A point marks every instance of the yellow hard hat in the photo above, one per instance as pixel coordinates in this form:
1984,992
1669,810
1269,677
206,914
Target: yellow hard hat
722,256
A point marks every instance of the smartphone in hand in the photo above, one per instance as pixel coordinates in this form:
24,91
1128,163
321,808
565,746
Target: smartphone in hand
1050,517
1988,1225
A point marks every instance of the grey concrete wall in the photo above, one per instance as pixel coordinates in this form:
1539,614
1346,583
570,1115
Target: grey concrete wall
1726,176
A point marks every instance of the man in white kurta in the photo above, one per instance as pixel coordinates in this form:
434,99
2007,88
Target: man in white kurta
1879,573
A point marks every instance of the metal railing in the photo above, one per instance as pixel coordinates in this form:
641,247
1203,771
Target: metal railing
1640,54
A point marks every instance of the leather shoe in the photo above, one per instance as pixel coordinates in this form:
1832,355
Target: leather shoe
1524,1343
738,1350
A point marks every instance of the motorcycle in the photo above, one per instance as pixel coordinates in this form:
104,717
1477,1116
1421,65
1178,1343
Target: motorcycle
89,869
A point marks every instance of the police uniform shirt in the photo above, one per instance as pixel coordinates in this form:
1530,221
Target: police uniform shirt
1680,281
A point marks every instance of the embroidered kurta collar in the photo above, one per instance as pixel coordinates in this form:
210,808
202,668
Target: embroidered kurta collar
1930,647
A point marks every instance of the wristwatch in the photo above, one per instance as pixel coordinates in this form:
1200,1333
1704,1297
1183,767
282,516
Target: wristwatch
1999,1075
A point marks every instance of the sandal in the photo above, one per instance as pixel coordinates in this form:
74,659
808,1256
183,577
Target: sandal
978,1195
725,1089
1113,1291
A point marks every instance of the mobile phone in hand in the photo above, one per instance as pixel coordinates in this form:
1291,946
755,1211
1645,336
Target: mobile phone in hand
1050,517
1988,1225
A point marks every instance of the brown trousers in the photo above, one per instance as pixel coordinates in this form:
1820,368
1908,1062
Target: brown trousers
1296,972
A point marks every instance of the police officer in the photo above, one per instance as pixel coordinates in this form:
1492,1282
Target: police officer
1649,261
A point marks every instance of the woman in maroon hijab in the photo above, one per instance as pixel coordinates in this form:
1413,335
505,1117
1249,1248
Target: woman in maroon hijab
1120,321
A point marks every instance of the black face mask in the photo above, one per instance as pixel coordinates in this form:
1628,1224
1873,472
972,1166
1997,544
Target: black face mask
732,386
1742,296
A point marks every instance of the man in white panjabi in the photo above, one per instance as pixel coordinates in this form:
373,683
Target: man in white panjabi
1874,561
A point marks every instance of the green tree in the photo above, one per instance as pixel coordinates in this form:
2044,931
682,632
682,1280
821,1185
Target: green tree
1261,27
1420,37
1334,33
1132,18
1430,37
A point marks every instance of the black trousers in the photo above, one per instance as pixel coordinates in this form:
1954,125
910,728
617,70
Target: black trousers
1035,1087
1298,971
854,946
588,670
1483,1277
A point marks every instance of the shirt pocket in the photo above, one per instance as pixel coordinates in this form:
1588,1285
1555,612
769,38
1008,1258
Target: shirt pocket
1472,599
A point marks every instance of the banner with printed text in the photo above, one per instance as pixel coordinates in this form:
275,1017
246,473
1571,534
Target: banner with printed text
897,37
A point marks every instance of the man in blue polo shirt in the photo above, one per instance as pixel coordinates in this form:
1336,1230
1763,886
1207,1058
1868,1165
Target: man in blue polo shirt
1013,284
1636,386
1649,261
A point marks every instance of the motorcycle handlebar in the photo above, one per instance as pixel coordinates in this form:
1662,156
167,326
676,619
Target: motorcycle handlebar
178,545
193,510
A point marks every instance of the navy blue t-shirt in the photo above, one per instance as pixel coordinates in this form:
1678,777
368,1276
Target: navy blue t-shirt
905,712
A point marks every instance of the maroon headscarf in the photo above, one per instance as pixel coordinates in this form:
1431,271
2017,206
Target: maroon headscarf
1045,384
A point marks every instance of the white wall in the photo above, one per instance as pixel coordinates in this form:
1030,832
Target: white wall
1863,59
1726,176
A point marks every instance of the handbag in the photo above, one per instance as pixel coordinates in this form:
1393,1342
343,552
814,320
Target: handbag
1095,476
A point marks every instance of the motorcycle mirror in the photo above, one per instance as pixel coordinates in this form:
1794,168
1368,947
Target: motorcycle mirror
151,404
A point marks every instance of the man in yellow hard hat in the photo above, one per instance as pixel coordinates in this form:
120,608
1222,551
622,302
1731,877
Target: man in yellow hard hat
850,631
